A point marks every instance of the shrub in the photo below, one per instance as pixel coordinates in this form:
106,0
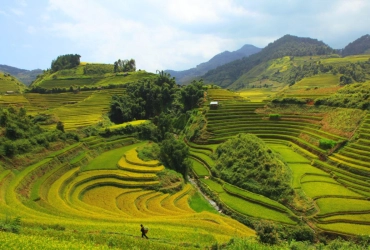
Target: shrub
327,144
11,225
274,117
267,233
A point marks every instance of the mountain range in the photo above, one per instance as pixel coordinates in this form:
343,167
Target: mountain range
25,76
185,76
226,69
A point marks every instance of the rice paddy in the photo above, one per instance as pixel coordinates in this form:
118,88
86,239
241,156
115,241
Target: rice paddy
102,197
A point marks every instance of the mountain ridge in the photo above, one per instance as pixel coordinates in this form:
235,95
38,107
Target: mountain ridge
24,75
222,58
287,45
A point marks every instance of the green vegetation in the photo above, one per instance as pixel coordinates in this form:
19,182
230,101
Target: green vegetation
198,203
124,66
22,134
312,169
351,96
245,161
10,85
174,155
288,45
65,62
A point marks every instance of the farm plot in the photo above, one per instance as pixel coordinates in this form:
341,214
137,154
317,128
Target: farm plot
109,159
199,168
299,170
246,207
319,189
288,154
96,200
336,206
354,157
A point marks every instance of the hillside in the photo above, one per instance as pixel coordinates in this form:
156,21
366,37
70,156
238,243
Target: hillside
98,190
25,76
218,60
10,84
86,76
288,45
357,47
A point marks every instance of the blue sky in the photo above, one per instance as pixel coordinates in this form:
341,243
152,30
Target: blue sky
166,34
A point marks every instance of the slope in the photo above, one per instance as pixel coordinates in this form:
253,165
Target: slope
10,84
288,45
359,46
218,60
25,76
85,76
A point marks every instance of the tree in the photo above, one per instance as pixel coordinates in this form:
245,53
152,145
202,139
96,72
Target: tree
60,126
65,62
174,155
124,65
192,94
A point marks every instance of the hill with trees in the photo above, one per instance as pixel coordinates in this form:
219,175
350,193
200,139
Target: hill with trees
185,76
67,73
25,76
288,45
10,84
357,47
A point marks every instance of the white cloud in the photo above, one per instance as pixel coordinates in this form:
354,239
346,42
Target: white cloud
154,45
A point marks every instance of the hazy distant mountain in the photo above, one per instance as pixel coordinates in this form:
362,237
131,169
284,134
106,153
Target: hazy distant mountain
287,45
218,60
357,47
25,76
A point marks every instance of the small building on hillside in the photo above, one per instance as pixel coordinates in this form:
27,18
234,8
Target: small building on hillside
213,105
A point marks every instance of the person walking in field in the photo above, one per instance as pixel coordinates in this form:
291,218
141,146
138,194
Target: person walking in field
143,231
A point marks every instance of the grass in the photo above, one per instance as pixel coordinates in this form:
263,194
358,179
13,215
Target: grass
199,169
288,154
199,204
133,123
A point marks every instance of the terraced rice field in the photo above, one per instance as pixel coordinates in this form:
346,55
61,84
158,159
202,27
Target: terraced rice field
75,110
102,196
335,185
314,87
231,118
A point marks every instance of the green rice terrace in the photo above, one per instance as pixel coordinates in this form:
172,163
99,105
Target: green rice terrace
87,164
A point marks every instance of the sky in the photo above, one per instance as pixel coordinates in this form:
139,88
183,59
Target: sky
166,34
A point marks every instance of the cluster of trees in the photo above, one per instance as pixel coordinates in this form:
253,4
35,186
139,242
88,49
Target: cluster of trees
124,66
152,97
65,62
245,161
21,133
166,104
